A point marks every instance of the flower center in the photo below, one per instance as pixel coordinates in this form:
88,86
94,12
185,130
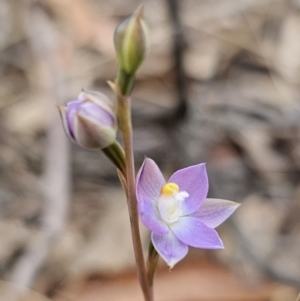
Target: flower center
169,189
169,202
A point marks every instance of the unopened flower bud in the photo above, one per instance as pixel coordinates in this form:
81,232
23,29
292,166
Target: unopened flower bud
131,42
90,120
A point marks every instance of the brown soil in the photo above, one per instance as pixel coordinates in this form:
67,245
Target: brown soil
197,282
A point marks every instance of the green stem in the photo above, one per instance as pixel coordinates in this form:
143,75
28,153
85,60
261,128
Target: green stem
151,265
124,115
125,82
116,154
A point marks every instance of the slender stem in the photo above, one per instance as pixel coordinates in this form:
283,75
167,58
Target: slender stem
124,114
125,82
116,154
151,265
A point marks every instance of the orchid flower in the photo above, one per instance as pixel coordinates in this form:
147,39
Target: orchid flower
89,120
178,212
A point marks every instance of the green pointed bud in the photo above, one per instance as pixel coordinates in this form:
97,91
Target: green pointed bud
131,42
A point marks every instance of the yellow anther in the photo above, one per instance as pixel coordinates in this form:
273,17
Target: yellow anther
169,189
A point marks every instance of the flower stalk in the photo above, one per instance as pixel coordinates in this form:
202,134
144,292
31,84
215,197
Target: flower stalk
125,125
125,82
131,46
116,155
152,262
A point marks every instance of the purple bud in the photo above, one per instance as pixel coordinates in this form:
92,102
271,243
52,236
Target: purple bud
90,120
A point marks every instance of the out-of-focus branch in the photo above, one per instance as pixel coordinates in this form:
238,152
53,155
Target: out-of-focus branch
179,45
265,266
47,49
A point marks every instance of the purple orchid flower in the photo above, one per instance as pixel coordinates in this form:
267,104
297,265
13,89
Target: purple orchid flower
178,212
90,120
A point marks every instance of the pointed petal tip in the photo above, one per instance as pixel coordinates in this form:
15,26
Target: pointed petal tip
171,266
63,113
82,94
229,204
214,212
61,108
233,205
149,160
139,11
170,248
217,245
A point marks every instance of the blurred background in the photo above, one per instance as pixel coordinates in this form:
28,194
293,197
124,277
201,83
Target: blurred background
221,85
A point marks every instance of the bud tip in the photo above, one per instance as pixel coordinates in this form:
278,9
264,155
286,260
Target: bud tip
139,11
112,85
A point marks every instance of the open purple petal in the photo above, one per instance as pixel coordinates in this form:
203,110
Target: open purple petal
214,212
149,181
169,247
193,232
150,217
194,181
148,185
